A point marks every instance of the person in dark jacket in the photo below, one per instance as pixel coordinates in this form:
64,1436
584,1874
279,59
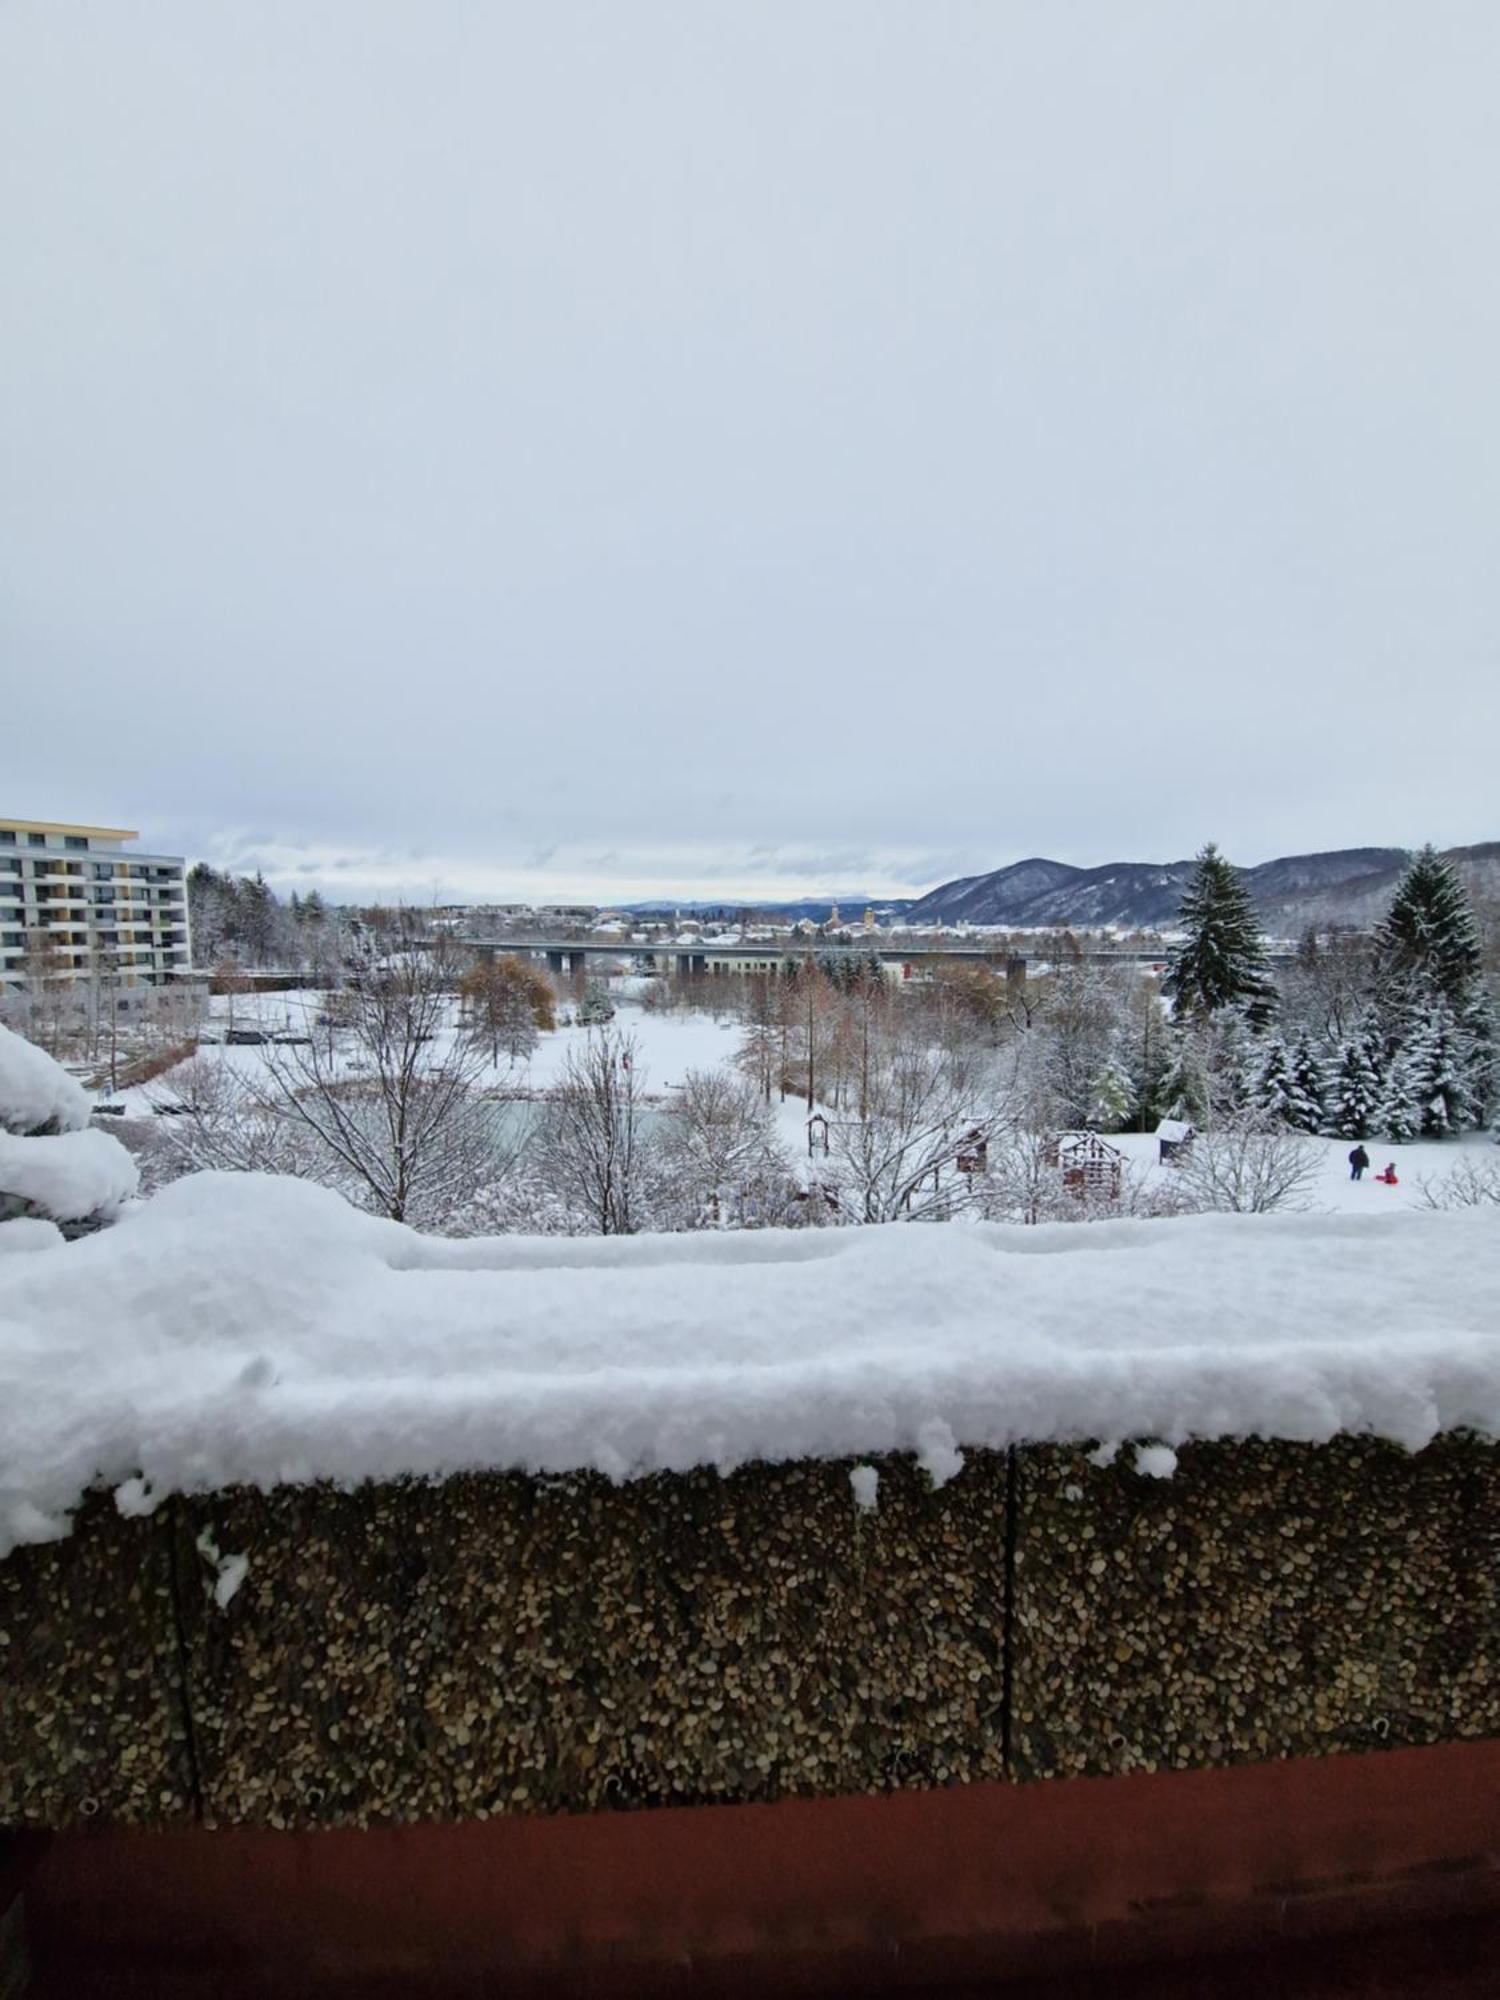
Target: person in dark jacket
1359,1159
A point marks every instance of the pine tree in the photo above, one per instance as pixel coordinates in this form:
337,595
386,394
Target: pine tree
1151,1058
259,913
1221,960
1429,1094
1477,1020
1428,944
1271,1086
1352,1094
1306,1088
1400,1115
1112,1095
1181,1091
1210,1075
1439,1019
1438,1060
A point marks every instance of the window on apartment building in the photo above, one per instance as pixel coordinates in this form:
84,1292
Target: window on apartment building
77,841
7,836
102,871
13,940
36,840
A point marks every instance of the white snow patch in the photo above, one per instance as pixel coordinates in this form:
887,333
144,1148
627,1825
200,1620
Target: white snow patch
1155,1461
232,1573
136,1352
866,1483
69,1176
28,1232
937,1453
135,1497
229,1571
35,1090
29,1524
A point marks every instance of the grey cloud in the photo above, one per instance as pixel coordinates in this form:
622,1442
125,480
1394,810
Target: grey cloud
755,443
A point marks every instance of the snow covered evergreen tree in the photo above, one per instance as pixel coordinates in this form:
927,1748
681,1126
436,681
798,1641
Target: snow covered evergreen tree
1211,1075
1438,1019
1400,1113
1371,1037
1428,944
1271,1085
1221,960
1477,1020
1430,1093
1352,1092
1306,1087
1113,1094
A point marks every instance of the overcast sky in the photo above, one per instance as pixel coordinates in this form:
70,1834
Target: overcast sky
513,450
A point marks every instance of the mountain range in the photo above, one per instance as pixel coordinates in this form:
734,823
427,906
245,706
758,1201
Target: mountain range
1349,886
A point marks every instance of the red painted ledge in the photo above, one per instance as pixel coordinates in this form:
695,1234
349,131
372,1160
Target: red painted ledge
868,1894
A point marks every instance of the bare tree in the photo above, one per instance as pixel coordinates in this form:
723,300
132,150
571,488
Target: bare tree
590,1146
1247,1167
393,1101
759,1051
230,979
1472,1182
212,1119
47,972
718,1157
899,1157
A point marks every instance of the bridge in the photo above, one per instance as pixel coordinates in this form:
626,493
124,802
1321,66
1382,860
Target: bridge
709,956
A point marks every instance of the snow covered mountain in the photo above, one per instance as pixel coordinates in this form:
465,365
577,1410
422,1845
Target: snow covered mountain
1348,886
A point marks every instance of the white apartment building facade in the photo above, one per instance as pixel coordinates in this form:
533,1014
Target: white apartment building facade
77,902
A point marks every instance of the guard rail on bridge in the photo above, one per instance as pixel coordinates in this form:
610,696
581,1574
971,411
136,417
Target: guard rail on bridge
705,954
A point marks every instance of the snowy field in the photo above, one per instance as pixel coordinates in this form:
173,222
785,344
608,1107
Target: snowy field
670,1045
1333,1191
260,1330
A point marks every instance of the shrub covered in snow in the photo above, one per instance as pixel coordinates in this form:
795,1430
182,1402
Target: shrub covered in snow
37,1096
53,1169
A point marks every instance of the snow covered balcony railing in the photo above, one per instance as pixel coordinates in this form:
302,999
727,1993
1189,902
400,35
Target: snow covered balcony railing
312,1519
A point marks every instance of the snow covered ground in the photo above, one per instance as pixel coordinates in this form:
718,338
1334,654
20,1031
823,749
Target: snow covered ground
1332,1191
243,1328
670,1045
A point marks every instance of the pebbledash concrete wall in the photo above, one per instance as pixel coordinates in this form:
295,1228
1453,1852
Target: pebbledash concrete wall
497,1644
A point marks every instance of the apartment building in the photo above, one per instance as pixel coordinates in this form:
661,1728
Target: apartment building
80,900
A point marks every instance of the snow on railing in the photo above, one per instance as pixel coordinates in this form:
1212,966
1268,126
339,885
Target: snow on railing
244,1328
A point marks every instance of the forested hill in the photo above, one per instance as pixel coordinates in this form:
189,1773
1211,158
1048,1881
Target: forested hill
1348,886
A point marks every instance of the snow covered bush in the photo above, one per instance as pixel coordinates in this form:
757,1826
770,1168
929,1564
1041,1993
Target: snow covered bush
1247,1166
52,1168
1024,1183
1472,1183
